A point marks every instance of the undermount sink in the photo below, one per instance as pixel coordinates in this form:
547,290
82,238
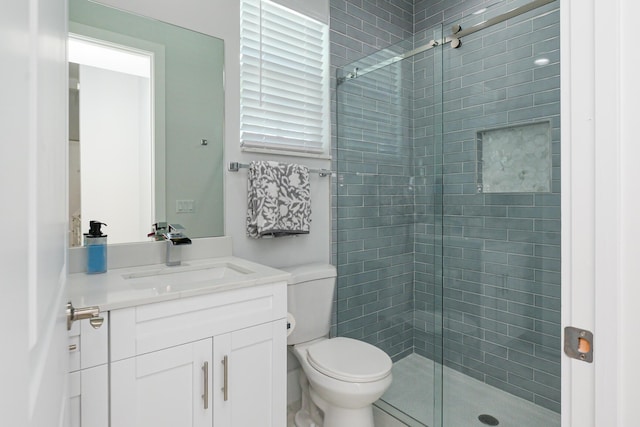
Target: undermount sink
186,273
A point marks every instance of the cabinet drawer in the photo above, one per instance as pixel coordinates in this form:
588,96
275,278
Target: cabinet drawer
151,327
88,347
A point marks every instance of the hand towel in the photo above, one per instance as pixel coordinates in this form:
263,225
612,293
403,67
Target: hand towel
279,202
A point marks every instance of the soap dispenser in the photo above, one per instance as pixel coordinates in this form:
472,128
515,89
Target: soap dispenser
96,244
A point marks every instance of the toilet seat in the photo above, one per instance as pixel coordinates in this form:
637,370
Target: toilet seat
349,360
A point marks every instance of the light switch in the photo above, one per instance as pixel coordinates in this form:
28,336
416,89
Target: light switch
185,206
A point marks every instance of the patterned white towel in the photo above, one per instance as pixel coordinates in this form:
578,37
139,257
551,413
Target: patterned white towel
279,202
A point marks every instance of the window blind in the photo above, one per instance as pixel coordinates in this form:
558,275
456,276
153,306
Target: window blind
284,88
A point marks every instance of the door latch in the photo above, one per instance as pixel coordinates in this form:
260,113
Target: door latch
578,344
92,313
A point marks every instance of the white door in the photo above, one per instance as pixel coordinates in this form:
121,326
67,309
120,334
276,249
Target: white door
33,153
165,388
600,215
250,377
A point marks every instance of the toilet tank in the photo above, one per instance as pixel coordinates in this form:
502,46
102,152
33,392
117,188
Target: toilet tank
310,294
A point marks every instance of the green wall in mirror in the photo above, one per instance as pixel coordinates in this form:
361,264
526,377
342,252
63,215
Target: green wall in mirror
187,108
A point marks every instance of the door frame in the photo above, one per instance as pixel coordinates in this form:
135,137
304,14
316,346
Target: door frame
599,210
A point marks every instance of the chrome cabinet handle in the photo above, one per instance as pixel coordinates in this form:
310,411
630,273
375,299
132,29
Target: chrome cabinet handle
205,395
92,313
225,386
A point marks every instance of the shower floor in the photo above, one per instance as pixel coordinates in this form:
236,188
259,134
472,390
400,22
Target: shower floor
412,393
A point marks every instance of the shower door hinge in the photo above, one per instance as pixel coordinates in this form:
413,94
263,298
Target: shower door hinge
578,344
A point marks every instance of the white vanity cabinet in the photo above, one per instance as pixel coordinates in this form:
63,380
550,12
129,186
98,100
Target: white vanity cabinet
88,375
163,388
216,359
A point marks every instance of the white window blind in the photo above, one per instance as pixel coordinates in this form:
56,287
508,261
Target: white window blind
284,80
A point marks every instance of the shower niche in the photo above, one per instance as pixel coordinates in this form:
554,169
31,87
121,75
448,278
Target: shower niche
515,159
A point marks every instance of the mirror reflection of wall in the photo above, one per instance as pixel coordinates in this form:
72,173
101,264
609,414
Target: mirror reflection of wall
187,92
115,82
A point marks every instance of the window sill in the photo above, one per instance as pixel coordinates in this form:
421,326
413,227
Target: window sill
323,156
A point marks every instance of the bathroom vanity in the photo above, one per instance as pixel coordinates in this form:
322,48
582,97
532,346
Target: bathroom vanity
200,344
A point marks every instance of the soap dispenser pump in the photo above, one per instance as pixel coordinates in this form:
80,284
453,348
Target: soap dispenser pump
96,244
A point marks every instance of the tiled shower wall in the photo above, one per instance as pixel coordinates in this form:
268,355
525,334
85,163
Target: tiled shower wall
374,214
499,253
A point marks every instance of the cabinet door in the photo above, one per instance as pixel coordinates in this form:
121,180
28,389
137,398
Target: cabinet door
165,388
74,399
255,375
89,397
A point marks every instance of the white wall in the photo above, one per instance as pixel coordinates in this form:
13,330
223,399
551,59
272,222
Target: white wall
221,18
124,148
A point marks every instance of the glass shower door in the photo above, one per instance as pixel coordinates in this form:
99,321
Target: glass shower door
387,202
501,222
448,219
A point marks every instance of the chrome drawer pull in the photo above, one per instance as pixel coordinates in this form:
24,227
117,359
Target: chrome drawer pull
205,396
225,387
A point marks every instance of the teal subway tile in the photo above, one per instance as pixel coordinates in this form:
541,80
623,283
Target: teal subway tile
534,312
493,211
509,199
511,319
548,225
509,366
527,334
510,223
510,271
535,387
538,263
523,248
360,233
485,233
544,238
495,257
548,328
362,255
548,277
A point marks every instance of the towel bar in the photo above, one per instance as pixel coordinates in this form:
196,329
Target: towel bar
236,166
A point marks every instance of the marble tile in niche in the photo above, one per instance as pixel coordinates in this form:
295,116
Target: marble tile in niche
515,159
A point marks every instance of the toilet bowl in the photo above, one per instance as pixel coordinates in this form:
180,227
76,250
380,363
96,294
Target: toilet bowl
345,376
341,377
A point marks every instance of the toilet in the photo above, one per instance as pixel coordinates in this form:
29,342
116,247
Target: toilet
342,377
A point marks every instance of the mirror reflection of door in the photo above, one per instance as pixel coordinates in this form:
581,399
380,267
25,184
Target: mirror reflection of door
111,150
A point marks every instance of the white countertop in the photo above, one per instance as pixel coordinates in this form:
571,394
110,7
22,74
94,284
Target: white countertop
132,286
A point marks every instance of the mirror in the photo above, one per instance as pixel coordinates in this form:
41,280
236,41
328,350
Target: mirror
146,111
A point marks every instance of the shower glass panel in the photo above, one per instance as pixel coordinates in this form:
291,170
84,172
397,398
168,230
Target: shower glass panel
448,218
501,221
384,296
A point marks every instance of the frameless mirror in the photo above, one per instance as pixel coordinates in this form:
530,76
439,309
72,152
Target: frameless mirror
146,102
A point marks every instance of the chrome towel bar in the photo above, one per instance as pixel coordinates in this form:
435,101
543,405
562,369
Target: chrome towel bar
235,167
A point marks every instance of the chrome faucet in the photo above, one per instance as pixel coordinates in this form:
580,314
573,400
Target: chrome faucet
175,241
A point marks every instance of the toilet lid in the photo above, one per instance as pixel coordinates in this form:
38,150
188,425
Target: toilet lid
350,360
